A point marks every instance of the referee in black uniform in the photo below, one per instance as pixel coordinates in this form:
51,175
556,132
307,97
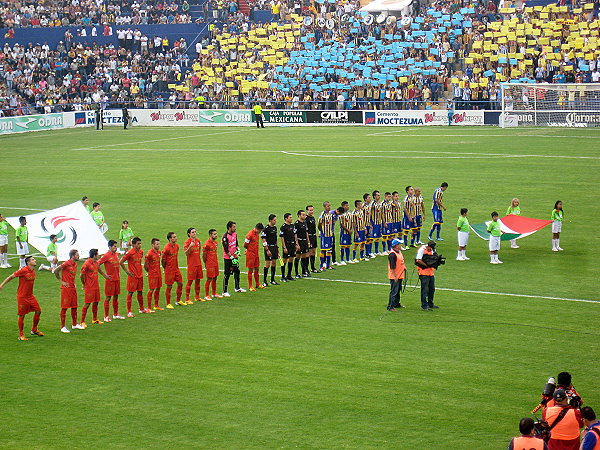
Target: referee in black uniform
311,225
269,242
289,245
302,238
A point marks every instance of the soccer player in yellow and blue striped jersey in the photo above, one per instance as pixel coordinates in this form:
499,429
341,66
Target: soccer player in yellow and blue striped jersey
376,222
325,225
419,216
407,221
360,230
368,210
436,210
346,230
387,219
396,216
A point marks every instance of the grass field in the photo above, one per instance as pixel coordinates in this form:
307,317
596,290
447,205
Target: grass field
318,363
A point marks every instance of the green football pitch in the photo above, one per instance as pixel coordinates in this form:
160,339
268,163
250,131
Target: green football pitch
317,363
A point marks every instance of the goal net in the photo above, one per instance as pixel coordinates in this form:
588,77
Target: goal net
550,105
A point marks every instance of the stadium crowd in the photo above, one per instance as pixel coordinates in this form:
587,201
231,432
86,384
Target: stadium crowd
89,13
318,55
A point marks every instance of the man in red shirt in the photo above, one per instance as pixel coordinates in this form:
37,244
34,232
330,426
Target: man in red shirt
211,262
26,301
66,273
252,258
135,275
112,285
91,289
171,265
191,247
152,266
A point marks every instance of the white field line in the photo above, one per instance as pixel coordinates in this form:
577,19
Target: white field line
98,147
468,291
444,155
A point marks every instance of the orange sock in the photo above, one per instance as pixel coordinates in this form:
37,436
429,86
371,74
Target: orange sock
74,316
197,288
128,301
140,299
156,297
207,287
149,299
106,308
256,279
95,311
250,279
21,323
188,288
168,294
63,317
36,320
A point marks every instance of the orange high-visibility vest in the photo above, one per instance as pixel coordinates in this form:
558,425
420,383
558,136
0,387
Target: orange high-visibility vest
429,271
567,429
528,443
399,270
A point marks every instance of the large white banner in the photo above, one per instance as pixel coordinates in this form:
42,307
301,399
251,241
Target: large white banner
73,226
414,118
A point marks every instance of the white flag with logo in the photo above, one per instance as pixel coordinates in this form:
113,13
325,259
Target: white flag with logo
73,227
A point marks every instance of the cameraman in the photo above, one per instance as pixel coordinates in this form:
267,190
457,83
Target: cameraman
563,381
427,276
564,421
527,440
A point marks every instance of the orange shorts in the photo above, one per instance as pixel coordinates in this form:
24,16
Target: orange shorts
135,284
252,260
112,287
173,277
154,282
68,298
91,296
27,305
195,273
212,271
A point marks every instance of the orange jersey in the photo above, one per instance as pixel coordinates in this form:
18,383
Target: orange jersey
134,261
170,256
111,265
210,251
251,242
153,263
193,257
90,272
67,274
26,280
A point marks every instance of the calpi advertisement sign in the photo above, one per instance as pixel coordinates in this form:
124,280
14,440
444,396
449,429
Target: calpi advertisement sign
335,117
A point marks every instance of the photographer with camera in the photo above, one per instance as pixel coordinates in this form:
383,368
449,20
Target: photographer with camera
564,422
563,381
528,439
427,260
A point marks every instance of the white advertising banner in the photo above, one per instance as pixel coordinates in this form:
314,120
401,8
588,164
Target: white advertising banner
72,225
422,118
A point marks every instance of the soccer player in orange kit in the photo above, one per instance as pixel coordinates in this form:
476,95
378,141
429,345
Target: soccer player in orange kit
152,266
211,263
66,273
170,263
252,258
112,285
26,302
135,275
192,249
91,289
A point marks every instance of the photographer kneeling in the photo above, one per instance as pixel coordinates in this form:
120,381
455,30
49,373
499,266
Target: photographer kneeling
427,260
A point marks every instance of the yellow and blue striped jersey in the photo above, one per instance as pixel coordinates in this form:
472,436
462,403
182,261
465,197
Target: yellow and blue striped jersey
326,224
358,220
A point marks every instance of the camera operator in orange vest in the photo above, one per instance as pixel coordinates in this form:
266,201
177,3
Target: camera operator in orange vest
527,440
426,271
396,268
564,422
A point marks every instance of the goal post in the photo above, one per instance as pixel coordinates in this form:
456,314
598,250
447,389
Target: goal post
550,105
